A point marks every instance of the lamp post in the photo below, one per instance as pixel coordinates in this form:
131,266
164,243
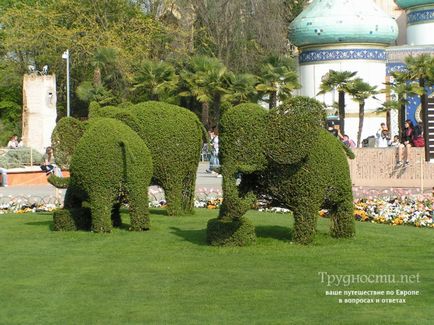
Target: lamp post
65,56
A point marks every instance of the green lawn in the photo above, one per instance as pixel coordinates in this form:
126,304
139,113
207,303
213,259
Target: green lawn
168,275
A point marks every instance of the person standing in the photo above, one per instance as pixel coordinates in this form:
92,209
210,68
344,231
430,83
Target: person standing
383,136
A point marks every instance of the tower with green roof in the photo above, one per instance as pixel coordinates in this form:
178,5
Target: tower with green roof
344,35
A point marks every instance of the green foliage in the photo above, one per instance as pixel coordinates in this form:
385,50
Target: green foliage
59,182
110,159
72,219
242,150
64,139
297,164
291,127
230,232
15,158
174,137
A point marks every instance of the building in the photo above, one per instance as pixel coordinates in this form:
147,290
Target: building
370,37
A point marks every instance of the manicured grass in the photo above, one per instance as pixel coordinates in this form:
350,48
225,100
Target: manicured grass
169,275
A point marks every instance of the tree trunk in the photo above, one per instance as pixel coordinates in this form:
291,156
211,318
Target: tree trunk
341,104
361,120
424,105
273,100
205,115
401,116
217,108
97,77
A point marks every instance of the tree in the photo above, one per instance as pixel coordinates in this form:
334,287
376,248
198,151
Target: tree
401,87
205,81
38,33
154,81
361,91
277,79
337,80
242,88
420,68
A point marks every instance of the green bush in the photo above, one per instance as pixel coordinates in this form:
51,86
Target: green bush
72,219
110,159
230,232
15,158
288,156
242,151
174,136
64,139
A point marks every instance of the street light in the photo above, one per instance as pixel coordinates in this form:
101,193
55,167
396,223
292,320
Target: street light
65,56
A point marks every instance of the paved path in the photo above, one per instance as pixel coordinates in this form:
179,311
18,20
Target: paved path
204,180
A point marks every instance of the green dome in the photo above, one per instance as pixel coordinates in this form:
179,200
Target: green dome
342,21
404,4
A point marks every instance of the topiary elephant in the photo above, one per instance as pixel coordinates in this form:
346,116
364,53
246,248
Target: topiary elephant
287,155
174,137
110,160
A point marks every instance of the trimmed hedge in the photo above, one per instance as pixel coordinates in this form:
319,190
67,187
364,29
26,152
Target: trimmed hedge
174,136
64,139
72,219
305,168
230,232
110,159
242,151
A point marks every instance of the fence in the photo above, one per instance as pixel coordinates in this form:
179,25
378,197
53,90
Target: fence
376,167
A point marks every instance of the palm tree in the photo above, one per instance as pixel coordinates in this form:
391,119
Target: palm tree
277,79
337,80
242,88
361,91
102,59
155,81
401,87
420,68
205,80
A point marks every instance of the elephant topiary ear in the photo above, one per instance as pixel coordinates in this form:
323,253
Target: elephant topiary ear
292,129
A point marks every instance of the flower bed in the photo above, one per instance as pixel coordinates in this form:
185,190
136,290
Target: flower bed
386,207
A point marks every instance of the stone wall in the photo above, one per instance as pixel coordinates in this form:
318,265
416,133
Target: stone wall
376,167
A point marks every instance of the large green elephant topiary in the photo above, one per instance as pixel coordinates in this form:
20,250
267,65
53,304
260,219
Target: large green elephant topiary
287,155
109,161
174,136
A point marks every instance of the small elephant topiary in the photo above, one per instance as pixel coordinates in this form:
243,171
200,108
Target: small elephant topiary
109,161
287,155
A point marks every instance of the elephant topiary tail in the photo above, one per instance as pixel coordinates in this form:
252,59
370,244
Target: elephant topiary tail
59,182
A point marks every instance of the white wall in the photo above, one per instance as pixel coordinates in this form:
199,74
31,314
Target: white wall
420,34
39,110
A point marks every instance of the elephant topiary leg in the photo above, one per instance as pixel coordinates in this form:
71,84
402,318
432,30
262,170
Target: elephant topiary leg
187,201
139,210
305,218
343,225
101,206
173,194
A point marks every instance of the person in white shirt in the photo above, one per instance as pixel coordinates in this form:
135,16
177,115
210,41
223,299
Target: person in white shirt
13,142
383,136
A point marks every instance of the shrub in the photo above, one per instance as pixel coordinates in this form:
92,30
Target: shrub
110,159
242,151
15,158
292,160
174,136
72,219
64,139
230,232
